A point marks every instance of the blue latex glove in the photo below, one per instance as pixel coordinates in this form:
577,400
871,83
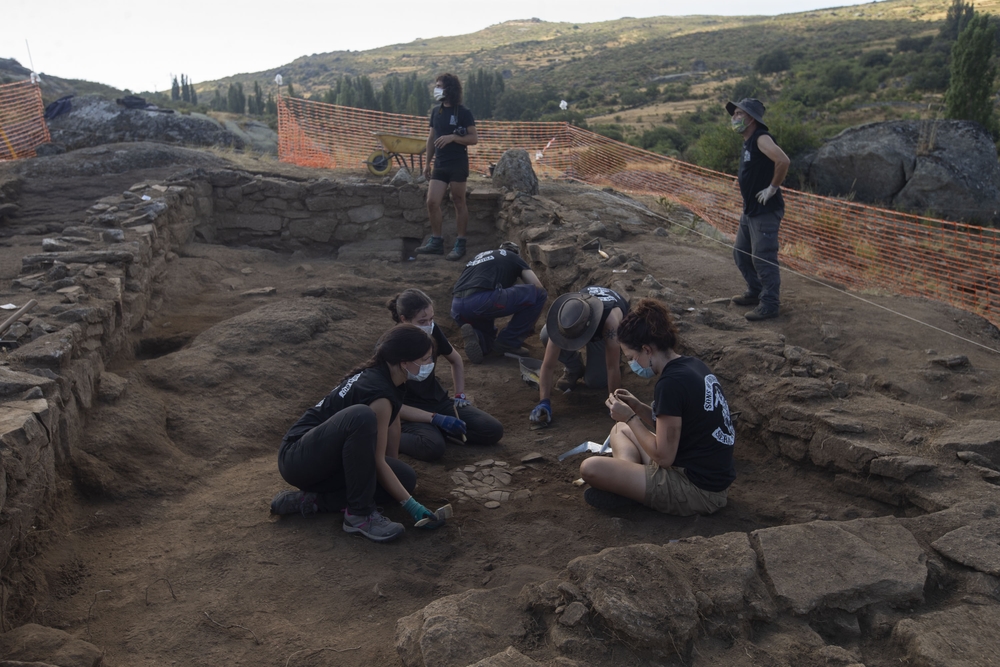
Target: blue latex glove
461,401
450,425
418,511
542,412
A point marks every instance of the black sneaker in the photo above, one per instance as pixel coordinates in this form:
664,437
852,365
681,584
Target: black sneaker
375,526
606,500
433,246
762,312
746,299
458,252
473,350
294,501
501,349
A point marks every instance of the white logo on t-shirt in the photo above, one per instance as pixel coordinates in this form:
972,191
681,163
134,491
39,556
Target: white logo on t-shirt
347,386
714,399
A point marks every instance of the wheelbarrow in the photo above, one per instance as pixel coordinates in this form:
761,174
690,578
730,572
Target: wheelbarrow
396,147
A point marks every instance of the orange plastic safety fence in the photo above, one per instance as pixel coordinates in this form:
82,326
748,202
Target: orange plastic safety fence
22,120
845,243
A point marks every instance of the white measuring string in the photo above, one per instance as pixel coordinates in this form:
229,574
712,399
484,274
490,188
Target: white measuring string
844,292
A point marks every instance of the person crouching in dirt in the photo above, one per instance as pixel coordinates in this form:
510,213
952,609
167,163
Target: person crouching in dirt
485,291
588,318
676,455
342,453
428,413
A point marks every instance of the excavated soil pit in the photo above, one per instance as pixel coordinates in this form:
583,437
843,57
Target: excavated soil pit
159,548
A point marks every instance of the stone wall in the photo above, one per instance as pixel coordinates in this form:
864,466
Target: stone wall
96,285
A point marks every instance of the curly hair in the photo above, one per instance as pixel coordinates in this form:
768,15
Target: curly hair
403,342
648,323
452,88
407,304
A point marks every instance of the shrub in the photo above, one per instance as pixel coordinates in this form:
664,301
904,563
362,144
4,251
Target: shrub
718,148
875,59
774,61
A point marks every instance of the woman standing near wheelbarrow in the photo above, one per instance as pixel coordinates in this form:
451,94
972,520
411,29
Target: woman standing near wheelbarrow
428,413
452,129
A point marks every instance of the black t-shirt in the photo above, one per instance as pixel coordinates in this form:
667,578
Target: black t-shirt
445,120
491,269
611,300
688,389
428,394
756,173
364,388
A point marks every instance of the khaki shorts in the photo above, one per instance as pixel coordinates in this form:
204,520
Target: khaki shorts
669,490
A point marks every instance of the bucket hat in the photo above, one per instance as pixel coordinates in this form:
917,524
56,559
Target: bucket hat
753,107
573,320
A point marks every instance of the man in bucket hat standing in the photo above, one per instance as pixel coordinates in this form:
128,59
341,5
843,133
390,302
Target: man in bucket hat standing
585,319
763,167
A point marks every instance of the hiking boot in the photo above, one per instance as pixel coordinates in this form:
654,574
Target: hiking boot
294,501
375,526
502,349
746,299
473,350
762,312
458,252
606,500
567,381
433,246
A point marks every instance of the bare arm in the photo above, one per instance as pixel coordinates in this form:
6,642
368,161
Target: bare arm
528,276
547,370
777,156
386,477
660,446
457,370
470,139
613,350
430,153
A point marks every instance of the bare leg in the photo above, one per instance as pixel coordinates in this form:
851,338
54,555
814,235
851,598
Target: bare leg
461,208
435,193
625,472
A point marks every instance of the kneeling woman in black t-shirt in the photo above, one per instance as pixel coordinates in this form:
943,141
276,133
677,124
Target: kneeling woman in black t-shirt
428,413
675,455
342,453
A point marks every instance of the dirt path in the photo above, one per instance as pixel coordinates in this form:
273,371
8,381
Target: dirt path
167,554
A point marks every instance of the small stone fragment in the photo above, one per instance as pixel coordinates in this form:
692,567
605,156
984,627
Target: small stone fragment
246,271
532,457
491,505
953,361
261,291
578,482
484,462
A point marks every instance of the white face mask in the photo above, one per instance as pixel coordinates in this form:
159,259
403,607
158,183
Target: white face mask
438,94
427,329
425,372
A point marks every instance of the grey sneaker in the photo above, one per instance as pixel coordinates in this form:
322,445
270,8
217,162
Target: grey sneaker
433,246
762,312
375,526
746,299
294,501
473,350
458,252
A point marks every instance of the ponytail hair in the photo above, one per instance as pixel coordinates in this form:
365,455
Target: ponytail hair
648,323
406,304
403,342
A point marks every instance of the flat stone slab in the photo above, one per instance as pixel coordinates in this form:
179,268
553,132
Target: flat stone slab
843,565
963,636
979,435
364,251
976,545
899,467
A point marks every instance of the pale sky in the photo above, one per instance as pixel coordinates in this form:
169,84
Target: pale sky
139,45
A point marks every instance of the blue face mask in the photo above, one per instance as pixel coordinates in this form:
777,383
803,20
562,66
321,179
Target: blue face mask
643,372
429,329
425,372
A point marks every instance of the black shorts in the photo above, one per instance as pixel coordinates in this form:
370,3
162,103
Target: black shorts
451,173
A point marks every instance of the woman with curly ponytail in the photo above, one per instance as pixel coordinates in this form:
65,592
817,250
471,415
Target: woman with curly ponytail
676,454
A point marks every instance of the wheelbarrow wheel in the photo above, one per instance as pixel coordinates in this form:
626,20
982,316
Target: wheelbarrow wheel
379,163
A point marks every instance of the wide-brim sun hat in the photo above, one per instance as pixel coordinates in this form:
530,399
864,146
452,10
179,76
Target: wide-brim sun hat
573,320
753,108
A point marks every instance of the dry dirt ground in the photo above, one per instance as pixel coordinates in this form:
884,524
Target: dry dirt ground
162,550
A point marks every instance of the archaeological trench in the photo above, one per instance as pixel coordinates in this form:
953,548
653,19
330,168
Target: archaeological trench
920,581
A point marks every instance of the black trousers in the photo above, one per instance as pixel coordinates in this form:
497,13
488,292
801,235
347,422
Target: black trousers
336,461
426,442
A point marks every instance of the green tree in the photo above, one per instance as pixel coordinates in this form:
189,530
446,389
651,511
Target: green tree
958,17
719,148
194,95
237,101
175,90
185,89
973,75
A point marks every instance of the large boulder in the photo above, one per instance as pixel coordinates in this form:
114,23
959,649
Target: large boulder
95,121
945,168
514,172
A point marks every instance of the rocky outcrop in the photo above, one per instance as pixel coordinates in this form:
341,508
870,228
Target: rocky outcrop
514,172
942,168
95,120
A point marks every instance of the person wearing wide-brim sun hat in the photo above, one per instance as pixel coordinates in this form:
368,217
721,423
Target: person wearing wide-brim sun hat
589,320
763,166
